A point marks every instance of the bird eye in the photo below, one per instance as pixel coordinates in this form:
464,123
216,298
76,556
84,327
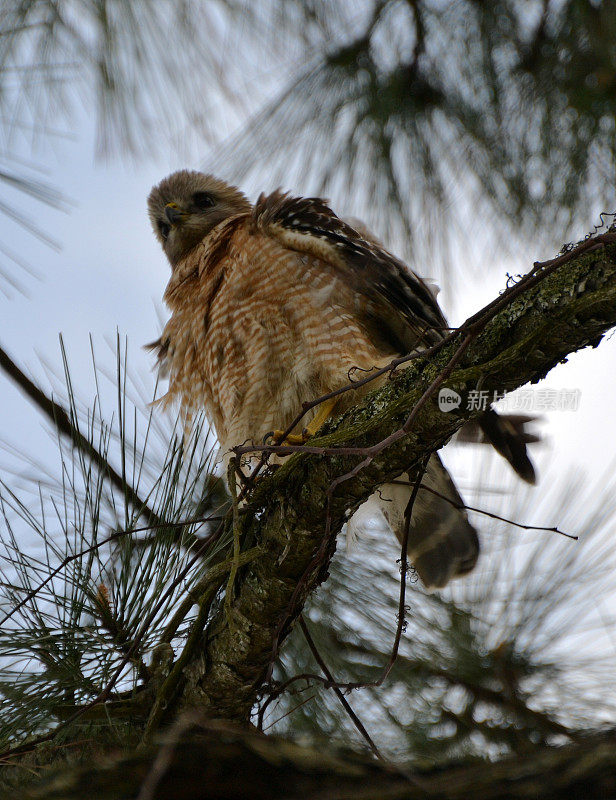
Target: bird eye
203,199
164,229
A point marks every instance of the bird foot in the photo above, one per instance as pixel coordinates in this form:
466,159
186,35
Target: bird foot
292,438
313,427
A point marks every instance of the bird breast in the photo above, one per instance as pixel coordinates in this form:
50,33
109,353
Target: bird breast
257,331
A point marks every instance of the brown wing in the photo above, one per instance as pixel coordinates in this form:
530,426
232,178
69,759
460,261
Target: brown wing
400,307
399,300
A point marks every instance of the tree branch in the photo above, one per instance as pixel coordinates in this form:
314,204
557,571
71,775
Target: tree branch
200,759
557,309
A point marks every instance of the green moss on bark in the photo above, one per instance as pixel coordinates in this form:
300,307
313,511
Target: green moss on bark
570,309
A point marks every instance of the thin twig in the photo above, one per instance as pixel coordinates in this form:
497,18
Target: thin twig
465,507
345,703
403,571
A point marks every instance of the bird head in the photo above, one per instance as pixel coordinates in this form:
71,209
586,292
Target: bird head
186,206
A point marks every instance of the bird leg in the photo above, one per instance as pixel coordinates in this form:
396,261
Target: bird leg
321,417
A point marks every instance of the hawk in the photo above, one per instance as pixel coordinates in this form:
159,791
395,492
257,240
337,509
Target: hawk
271,306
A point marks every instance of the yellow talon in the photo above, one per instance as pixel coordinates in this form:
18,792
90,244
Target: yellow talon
292,438
322,415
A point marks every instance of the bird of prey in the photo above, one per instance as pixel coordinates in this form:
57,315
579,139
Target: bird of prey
272,305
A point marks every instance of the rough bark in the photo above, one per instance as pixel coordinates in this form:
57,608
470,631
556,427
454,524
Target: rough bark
295,515
197,762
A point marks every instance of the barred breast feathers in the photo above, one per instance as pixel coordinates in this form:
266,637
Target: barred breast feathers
200,273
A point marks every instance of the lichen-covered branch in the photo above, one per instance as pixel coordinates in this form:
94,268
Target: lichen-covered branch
295,513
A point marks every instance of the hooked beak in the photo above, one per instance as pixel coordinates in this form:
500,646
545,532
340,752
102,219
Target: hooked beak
174,213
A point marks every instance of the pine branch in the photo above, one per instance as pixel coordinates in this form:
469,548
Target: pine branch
62,422
558,308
